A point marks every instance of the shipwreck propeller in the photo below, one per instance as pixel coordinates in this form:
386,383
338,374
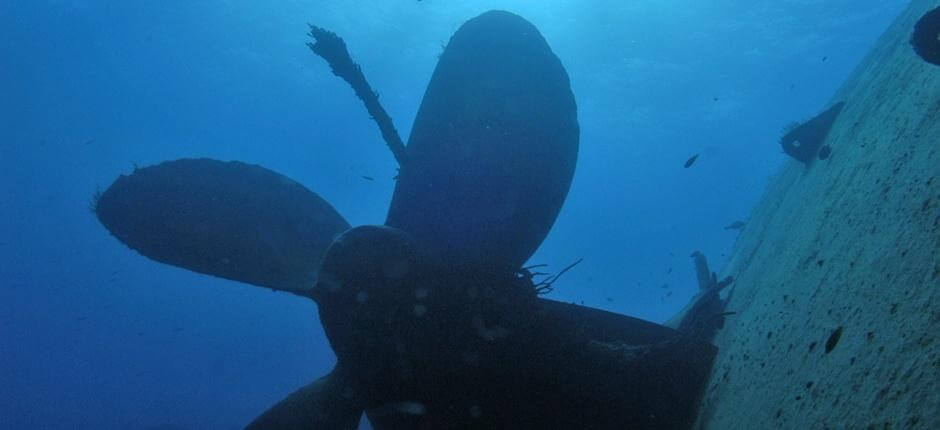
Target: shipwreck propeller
433,320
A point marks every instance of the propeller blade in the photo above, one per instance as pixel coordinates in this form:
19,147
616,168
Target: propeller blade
493,148
327,403
228,219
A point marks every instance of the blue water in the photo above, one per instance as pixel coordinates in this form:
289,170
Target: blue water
92,335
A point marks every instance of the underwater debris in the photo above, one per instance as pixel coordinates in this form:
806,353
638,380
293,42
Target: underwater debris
544,286
803,141
707,312
690,161
332,48
702,273
926,37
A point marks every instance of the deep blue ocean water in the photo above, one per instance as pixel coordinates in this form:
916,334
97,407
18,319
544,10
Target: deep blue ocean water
93,335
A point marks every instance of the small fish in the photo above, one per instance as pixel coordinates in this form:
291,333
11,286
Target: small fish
669,270
825,58
368,178
88,142
690,161
610,300
665,286
737,225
